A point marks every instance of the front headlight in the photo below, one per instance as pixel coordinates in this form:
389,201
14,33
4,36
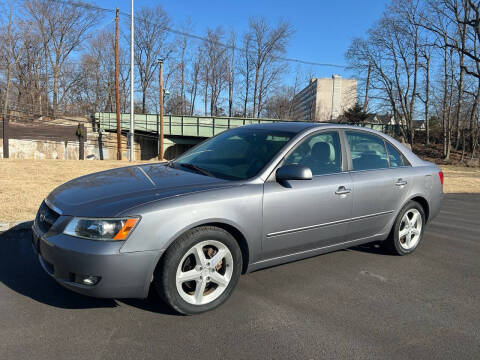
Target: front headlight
100,229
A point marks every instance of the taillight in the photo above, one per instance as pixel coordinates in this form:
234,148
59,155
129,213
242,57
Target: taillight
440,175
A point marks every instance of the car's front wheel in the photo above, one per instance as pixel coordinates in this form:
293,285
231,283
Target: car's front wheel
407,231
199,270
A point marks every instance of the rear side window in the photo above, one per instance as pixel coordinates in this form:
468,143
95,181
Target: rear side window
367,151
396,159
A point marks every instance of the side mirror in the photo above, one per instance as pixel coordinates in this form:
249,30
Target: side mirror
293,172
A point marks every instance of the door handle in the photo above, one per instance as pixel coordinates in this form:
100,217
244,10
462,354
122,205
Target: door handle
401,182
342,190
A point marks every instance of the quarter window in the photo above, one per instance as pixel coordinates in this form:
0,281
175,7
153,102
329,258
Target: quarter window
396,159
321,153
367,151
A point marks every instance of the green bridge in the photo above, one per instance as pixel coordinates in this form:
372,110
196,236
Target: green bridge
185,126
181,132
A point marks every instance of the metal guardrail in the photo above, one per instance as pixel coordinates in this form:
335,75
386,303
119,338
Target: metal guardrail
196,126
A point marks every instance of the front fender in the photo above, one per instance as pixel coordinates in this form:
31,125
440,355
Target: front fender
164,221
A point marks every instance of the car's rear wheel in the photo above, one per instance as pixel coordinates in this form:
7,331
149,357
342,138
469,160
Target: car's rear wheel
199,270
407,231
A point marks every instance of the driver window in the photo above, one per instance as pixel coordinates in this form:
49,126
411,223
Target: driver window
320,152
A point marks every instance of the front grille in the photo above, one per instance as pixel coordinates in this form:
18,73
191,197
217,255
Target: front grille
46,217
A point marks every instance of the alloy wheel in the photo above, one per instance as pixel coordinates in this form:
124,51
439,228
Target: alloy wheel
204,272
410,229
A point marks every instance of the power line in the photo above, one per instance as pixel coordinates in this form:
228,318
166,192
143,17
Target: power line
201,38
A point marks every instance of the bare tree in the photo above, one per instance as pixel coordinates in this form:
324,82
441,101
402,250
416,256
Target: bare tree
231,70
194,80
63,27
30,82
246,70
150,45
11,47
278,106
268,44
215,68
426,54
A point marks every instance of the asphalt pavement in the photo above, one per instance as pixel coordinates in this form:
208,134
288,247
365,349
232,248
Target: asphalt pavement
359,303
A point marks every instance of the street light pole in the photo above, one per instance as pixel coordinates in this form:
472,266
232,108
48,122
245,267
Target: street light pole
132,84
160,135
117,91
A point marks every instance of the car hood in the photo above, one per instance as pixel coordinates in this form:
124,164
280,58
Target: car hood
109,193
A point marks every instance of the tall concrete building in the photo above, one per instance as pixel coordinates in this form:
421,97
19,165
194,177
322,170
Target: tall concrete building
325,99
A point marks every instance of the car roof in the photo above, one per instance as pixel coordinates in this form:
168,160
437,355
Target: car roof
299,126
291,126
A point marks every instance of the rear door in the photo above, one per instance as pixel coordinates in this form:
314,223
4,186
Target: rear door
380,183
306,214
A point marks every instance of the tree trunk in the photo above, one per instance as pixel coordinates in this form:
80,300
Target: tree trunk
427,100
144,100
473,114
230,93
367,86
255,89
444,101
6,152
193,98
205,97
55,91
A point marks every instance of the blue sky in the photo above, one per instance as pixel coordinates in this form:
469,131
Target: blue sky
324,28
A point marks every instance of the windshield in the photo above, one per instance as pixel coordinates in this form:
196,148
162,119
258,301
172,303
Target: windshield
236,154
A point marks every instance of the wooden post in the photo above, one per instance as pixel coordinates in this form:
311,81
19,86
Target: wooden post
6,152
81,148
117,91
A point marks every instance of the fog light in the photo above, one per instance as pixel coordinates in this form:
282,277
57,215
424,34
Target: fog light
87,279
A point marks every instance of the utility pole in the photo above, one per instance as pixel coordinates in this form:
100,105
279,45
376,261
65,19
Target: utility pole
132,84
117,91
160,136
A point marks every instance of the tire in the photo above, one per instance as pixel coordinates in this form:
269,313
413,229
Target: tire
191,284
406,226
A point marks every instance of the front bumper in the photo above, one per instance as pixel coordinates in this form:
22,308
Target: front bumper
122,275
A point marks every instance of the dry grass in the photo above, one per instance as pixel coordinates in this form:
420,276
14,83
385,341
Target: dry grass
461,179
25,183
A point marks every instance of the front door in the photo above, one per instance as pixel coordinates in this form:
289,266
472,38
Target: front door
306,214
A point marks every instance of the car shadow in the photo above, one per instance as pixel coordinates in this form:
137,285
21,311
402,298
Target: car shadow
152,304
21,272
371,248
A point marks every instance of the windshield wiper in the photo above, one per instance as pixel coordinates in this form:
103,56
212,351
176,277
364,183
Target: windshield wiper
197,169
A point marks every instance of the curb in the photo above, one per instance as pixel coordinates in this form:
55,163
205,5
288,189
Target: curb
18,225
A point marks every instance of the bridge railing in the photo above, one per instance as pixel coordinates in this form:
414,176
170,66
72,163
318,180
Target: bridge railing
195,126
198,126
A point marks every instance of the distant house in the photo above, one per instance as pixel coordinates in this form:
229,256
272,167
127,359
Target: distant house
381,119
388,119
419,125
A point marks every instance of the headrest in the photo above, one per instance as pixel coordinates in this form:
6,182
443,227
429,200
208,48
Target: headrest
321,152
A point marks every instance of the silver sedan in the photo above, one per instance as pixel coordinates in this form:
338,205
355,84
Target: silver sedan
249,198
